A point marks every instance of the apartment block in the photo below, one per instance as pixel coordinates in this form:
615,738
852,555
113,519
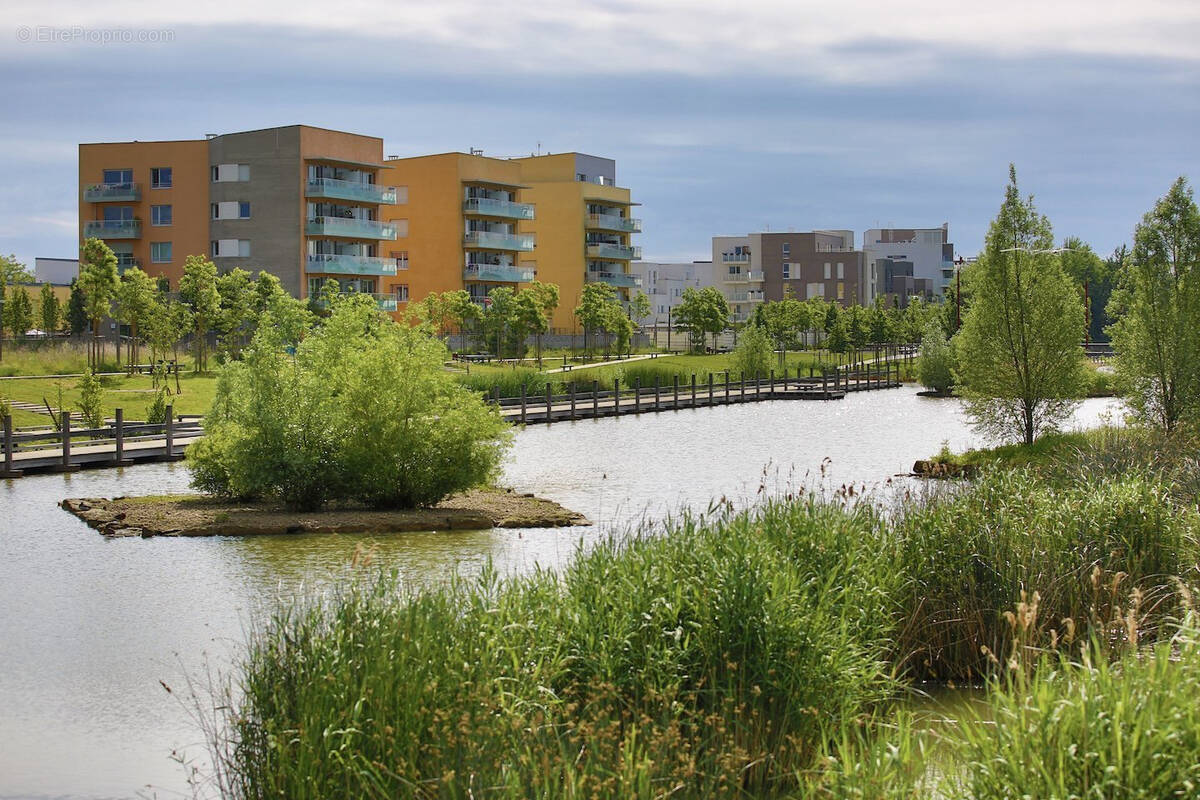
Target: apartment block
908,262
301,202
664,282
770,266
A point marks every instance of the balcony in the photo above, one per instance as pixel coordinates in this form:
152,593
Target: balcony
611,222
503,273
746,297
622,279
337,264
113,229
735,258
496,240
350,227
335,189
742,277
487,207
385,302
620,252
112,192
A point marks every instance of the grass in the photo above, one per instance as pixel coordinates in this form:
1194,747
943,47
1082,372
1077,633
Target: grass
62,357
131,393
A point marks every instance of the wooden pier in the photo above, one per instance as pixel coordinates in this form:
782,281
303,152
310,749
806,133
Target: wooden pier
67,449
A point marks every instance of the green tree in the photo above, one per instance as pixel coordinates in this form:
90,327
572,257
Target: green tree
77,319
463,312
198,291
134,296
595,310
18,312
1092,276
1019,363
639,307
702,311
620,327
783,321
935,368
858,326
752,356
50,310
91,399
238,299
362,411
1157,309
837,340
166,323
98,280
13,272
545,298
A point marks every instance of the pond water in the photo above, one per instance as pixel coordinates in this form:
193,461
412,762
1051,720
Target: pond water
91,629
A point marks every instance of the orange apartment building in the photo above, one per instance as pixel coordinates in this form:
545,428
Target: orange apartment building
310,204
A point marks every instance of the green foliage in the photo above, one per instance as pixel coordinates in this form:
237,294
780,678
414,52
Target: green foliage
596,310
935,369
135,298
363,411
91,399
18,311
713,662
199,294
49,310
77,318
156,412
702,311
13,271
238,296
1157,308
98,279
785,321
639,306
752,356
1019,364
1128,730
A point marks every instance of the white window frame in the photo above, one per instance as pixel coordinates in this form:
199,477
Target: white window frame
159,245
155,218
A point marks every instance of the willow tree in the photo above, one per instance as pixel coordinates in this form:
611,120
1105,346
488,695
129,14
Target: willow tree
1157,306
1020,367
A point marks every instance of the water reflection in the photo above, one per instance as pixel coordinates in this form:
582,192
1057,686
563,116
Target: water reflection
90,626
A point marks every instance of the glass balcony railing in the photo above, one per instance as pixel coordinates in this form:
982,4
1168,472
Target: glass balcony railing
504,273
496,240
611,222
735,258
617,251
385,302
351,190
352,227
623,279
488,207
746,297
113,229
112,192
742,277
337,264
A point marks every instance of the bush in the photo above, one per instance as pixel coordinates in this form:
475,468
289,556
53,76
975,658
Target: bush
712,662
156,413
363,411
91,399
936,364
753,354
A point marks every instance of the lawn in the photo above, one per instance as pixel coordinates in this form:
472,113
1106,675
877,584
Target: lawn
133,394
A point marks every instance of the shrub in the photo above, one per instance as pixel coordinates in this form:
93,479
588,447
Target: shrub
753,353
362,411
91,399
936,364
156,413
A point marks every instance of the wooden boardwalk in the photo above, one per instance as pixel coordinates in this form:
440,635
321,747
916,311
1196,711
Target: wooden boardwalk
121,444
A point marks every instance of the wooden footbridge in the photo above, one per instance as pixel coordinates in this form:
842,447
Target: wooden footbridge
118,443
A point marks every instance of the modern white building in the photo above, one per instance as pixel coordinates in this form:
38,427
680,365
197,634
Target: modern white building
664,282
55,270
738,273
907,262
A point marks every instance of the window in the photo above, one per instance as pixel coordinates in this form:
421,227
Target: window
160,252
230,209
243,211
231,248
828,269
160,177
223,173
787,270
841,291
814,290
401,293
117,176
787,250
160,215
118,213
401,257
841,270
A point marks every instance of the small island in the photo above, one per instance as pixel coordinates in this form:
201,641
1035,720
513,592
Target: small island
199,515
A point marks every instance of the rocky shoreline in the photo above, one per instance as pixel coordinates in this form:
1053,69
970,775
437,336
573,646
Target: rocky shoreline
198,515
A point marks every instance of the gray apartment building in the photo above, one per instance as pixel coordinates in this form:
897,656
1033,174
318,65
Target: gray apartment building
765,266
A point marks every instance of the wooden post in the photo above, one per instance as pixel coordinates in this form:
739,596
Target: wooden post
656,387
549,417
825,383
743,386
66,465
119,436
710,389
693,390
675,390
8,471
169,431
595,399
522,403
772,384
572,398
616,395
637,395
496,395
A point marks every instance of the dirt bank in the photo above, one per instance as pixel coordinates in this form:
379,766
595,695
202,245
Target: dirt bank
196,515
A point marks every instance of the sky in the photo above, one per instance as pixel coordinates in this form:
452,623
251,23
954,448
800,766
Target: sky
723,117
